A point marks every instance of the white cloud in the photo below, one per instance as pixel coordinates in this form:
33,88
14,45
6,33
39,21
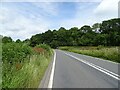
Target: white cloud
17,25
23,22
13,23
83,16
107,9
4,14
78,22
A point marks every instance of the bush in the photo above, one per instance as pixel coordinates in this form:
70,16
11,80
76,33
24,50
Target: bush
15,52
44,46
22,67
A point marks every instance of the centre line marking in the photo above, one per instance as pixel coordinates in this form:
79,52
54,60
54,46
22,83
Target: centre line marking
97,67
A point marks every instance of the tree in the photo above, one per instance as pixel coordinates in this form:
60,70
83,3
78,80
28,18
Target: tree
47,37
105,33
62,36
36,39
27,41
96,27
18,41
6,39
54,44
73,36
112,29
86,29
87,37
100,39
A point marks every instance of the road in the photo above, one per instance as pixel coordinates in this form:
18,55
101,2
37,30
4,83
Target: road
71,70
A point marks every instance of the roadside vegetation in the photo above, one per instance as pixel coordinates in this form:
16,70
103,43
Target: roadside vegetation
24,66
99,40
0,62
108,53
106,33
24,62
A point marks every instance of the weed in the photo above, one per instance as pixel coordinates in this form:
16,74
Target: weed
108,53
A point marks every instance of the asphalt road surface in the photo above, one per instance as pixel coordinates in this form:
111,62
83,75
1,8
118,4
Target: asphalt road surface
73,70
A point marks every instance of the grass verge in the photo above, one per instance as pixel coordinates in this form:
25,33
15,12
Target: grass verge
0,64
24,71
107,53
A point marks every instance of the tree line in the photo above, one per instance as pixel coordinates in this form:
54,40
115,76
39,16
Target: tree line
106,33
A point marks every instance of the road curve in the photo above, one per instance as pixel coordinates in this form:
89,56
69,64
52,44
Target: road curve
72,73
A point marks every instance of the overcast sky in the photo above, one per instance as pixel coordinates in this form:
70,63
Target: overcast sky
21,20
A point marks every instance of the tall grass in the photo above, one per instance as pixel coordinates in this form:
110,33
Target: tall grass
0,64
27,77
25,71
108,53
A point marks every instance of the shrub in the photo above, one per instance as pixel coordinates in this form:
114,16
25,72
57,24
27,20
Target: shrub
44,46
39,50
14,52
22,68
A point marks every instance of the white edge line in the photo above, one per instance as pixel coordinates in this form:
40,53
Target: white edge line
98,58
94,66
101,59
50,84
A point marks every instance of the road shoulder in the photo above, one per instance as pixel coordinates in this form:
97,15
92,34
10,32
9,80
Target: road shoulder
45,80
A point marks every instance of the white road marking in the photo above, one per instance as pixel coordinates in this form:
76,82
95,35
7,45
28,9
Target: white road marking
97,67
50,84
99,59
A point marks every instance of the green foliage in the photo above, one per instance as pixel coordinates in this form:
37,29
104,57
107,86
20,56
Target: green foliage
26,41
44,46
6,39
111,28
96,27
21,67
18,41
15,52
0,63
106,33
86,29
108,53
29,76
54,44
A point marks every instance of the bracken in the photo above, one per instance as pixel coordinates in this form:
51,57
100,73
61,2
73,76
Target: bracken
39,50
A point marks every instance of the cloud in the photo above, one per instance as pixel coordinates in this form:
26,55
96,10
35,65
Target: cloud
17,25
51,0
47,7
83,16
24,20
107,9
92,13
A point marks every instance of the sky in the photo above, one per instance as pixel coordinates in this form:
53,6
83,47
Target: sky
20,19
